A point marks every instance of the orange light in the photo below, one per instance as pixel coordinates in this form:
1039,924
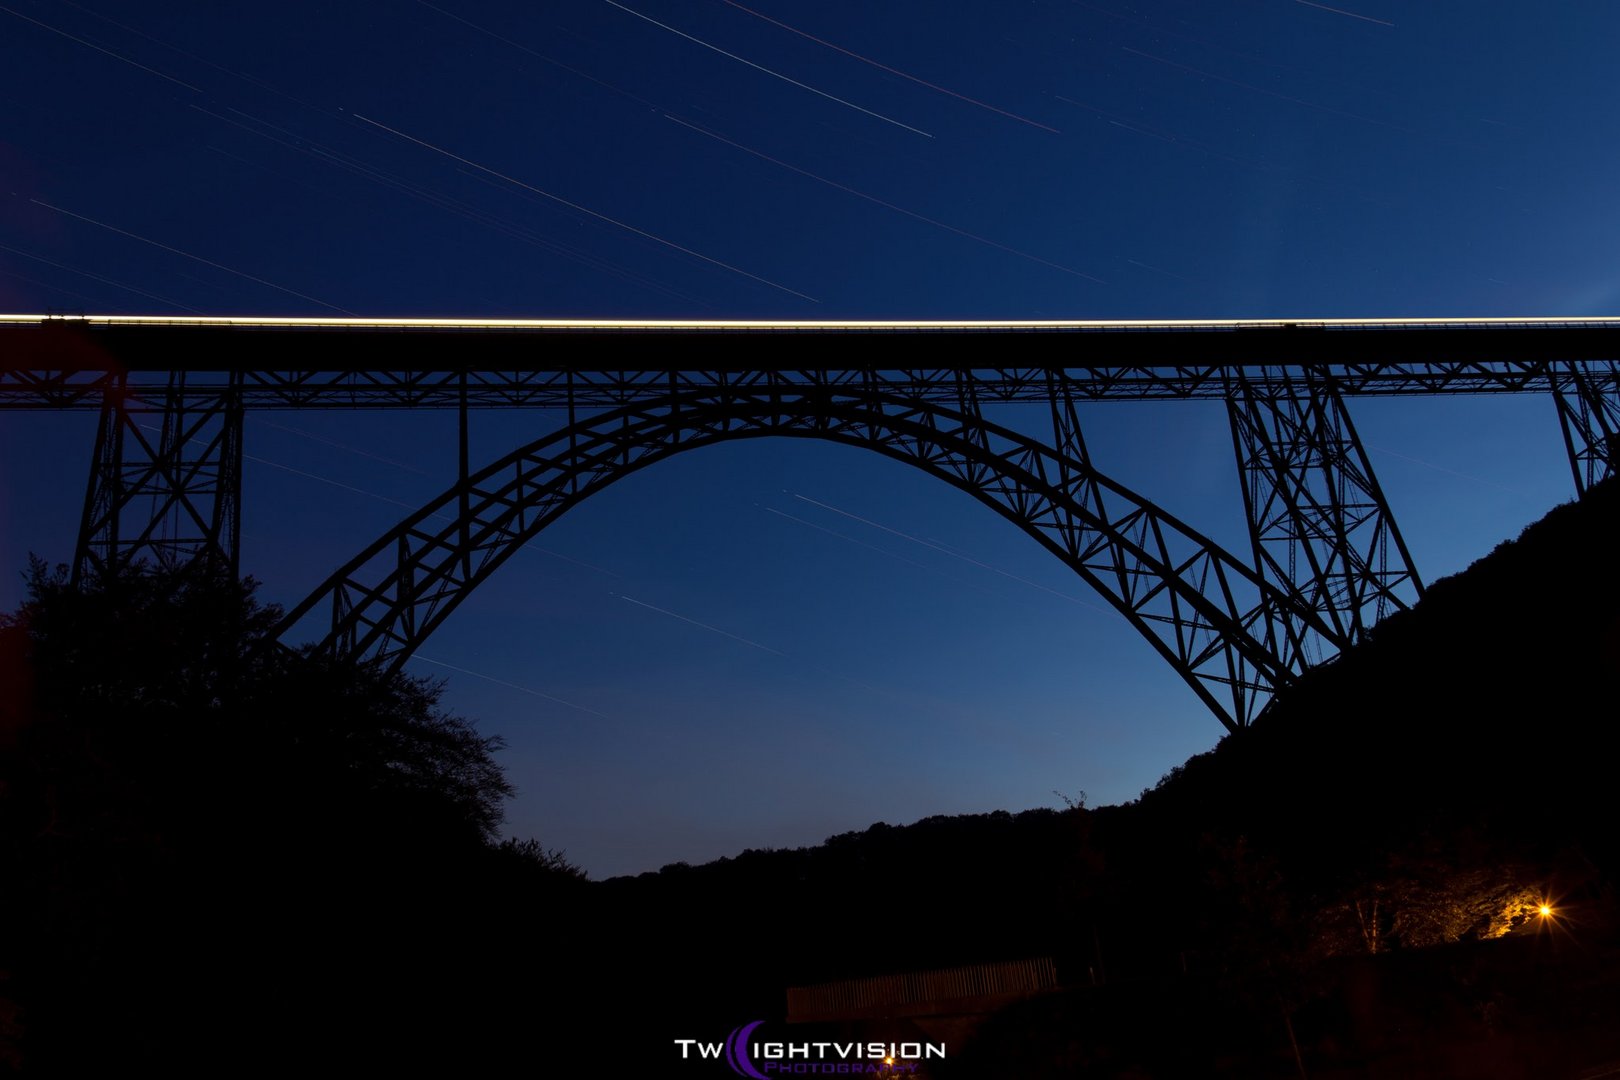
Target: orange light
1546,911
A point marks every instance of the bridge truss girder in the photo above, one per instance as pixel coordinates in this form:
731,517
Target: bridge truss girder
1232,636
168,492
1588,398
42,385
1319,524
166,479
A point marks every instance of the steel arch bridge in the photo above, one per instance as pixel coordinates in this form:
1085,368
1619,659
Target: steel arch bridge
1325,562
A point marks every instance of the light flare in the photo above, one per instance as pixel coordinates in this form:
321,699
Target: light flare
510,685
537,55
92,45
703,625
885,205
955,555
890,70
768,71
189,255
1341,11
98,277
586,210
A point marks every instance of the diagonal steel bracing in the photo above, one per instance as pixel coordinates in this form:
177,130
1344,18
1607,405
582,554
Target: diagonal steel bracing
1320,527
1588,398
164,487
1328,562
1205,612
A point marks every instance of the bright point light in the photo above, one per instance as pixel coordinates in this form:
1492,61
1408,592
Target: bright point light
1546,910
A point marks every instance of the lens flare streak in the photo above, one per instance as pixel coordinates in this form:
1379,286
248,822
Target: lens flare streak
768,71
510,685
531,546
189,255
702,625
1341,11
880,551
954,555
308,147
98,277
890,70
886,205
586,210
92,45
537,55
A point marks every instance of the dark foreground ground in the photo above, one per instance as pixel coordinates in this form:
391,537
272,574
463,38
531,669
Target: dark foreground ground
1541,1006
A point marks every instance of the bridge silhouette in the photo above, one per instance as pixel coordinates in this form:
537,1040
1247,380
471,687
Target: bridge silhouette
1325,562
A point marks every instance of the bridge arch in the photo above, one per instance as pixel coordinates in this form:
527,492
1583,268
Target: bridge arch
1230,634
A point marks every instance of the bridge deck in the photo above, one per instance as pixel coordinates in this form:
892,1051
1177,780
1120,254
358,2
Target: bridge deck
65,363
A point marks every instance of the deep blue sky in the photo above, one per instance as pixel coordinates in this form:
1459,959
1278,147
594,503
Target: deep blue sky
1246,159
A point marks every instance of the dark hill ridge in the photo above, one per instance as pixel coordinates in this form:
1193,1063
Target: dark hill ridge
1432,786
1486,706
1465,731
1537,620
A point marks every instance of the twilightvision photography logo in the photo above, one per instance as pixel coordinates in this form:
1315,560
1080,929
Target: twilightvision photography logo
761,1060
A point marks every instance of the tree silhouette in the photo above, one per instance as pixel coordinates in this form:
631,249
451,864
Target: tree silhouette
164,677
193,822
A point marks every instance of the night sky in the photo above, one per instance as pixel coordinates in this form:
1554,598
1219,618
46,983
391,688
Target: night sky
763,643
